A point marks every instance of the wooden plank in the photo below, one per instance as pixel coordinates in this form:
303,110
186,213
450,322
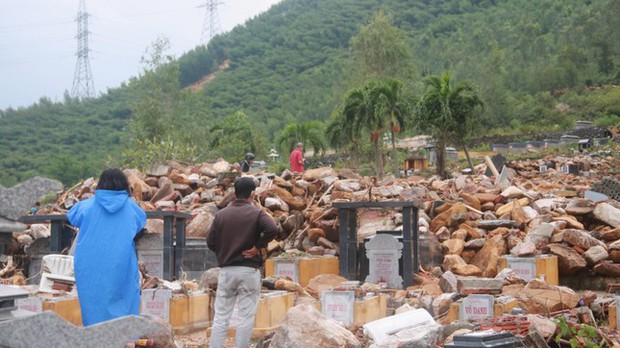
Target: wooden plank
491,166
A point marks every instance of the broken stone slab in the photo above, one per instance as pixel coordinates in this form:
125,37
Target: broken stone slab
581,239
295,331
488,257
17,200
158,170
544,205
595,255
608,214
607,269
579,207
595,197
467,270
474,285
569,261
493,224
447,282
54,331
380,330
538,297
524,249
200,225
541,234
423,336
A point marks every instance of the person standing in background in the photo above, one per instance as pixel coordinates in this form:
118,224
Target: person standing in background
297,159
246,165
237,235
105,262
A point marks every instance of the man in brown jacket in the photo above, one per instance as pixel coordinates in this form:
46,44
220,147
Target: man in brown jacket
236,236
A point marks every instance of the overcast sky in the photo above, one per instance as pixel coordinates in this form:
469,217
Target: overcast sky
38,45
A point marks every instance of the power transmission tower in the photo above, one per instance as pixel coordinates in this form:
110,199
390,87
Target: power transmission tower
82,79
211,25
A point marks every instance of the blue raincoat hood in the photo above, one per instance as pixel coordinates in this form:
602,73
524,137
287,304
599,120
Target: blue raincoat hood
111,201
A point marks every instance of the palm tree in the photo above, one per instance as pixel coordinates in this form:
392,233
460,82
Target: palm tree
448,112
374,107
310,133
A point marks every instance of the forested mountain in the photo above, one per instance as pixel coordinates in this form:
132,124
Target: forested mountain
292,64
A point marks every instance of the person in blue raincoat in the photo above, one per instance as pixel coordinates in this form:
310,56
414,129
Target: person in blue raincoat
106,264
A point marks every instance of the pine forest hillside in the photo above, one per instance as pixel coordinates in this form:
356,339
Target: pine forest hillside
293,64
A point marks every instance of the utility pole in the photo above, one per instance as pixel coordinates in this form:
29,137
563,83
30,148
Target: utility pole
211,25
83,85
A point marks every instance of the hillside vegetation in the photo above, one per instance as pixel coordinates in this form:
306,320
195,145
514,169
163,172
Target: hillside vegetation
531,62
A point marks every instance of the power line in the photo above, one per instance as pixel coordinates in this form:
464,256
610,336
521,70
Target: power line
83,85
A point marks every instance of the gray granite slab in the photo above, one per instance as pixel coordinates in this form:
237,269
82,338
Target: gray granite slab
49,330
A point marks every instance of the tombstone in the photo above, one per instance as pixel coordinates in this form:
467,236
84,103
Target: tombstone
543,168
383,252
477,306
8,306
498,161
156,303
151,252
570,169
39,248
523,267
338,305
452,154
197,258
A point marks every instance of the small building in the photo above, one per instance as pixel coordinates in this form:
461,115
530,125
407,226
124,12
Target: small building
415,163
585,144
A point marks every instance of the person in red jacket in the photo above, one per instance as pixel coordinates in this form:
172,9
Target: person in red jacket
297,159
236,236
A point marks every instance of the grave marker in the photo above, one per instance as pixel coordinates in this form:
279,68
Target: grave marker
477,307
339,306
383,252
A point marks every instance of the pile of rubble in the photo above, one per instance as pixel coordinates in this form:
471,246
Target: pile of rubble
472,221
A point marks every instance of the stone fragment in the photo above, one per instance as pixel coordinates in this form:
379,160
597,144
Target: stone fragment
608,214
539,297
318,173
475,243
323,282
158,170
595,255
569,261
467,270
447,282
488,257
477,285
524,249
579,206
450,261
610,235
200,225
453,246
607,269
581,239
295,331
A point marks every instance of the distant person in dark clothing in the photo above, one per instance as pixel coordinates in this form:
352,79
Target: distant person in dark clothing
245,165
236,236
